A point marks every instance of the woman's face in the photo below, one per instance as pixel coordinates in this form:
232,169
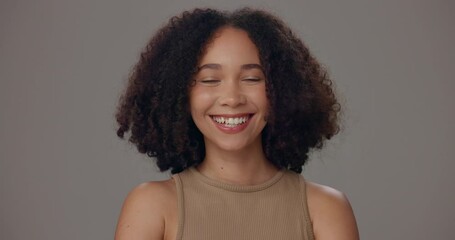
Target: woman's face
228,100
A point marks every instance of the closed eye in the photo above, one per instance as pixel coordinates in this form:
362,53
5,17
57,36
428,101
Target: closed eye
252,80
210,81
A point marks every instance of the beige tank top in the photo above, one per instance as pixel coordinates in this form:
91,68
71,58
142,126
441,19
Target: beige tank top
209,209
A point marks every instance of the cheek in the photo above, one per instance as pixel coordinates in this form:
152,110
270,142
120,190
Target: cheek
262,102
261,98
199,101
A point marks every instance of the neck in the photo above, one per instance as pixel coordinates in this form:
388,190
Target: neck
243,167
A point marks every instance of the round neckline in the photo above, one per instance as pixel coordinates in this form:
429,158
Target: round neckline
235,187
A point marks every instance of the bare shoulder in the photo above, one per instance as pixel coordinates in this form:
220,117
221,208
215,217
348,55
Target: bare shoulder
147,210
331,213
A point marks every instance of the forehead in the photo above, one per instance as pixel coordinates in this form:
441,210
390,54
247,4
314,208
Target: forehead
230,45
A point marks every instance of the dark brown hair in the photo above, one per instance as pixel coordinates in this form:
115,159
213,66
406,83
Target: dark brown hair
155,106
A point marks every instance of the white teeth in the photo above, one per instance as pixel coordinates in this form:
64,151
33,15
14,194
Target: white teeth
230,122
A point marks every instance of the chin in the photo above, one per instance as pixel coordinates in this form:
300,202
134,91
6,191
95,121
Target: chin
234,147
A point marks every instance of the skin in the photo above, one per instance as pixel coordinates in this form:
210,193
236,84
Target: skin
230,81
239,88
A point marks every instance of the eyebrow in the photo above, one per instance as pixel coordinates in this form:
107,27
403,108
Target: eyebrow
252,66
216,66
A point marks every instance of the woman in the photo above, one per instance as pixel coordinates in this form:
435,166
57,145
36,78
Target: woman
231,103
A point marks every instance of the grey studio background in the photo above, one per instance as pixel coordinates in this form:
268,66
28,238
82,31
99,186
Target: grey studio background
64,173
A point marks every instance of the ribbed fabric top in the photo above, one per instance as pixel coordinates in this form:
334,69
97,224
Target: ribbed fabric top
210,209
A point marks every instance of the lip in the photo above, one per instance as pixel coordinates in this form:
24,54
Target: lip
232,130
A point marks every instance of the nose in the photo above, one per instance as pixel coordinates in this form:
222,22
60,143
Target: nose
232,95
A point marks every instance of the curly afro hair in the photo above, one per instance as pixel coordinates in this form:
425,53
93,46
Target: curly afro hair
155,106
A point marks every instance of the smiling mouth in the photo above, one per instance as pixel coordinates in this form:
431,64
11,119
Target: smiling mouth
231,122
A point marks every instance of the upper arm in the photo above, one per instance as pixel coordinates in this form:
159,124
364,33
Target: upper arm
143,212
331,214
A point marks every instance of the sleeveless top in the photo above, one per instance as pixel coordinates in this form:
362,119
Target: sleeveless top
210,209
